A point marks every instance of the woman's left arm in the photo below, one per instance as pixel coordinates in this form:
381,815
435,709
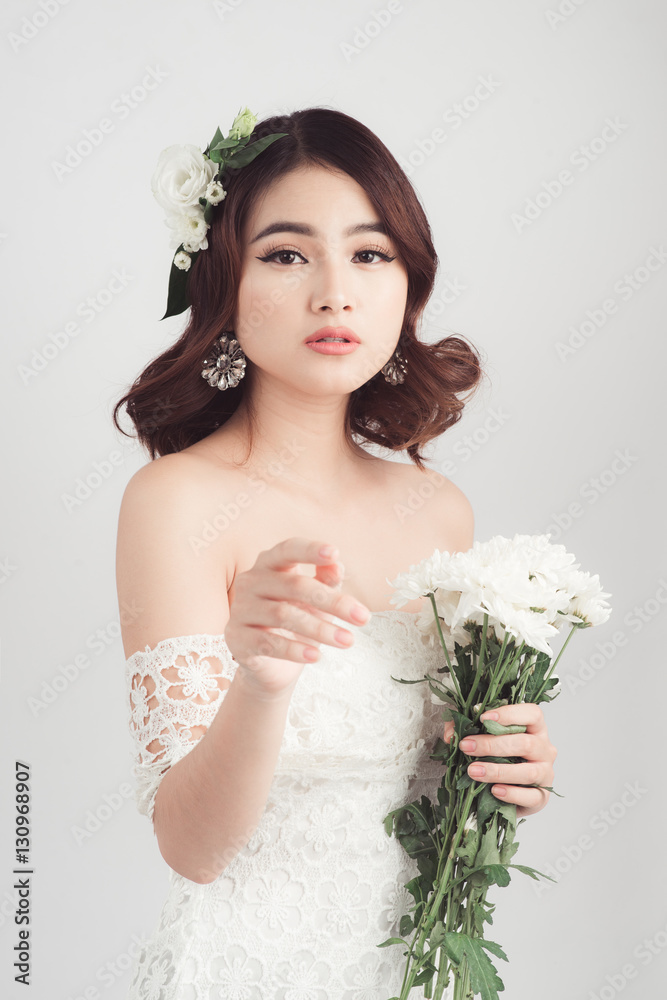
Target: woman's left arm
509,781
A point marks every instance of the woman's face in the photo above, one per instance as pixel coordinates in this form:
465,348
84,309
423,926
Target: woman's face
295,283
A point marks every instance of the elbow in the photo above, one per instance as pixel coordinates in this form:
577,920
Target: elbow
201,872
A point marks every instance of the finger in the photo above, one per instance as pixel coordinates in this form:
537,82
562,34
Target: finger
527,800
449,731
297,551
525,714
531,773
527,745
332,574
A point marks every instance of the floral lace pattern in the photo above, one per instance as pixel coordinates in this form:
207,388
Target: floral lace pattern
299,911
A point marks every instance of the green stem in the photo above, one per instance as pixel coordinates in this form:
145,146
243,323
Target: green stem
444,646
480,665
499,679
553,665
430,913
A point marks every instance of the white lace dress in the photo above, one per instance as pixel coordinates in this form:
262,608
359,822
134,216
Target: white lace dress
299,912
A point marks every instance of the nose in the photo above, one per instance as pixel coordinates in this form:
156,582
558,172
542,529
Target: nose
331,289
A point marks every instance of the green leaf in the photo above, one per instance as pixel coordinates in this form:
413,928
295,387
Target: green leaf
536,679
464,781
177,295
413,887
467,851
483,975
421,821
533,872
547,788
406,924
463,726
496,729
437,935
441,750
426,975
226,144
488,803
442,693
488,853
508,850
498,875
503,760
247,155
392,940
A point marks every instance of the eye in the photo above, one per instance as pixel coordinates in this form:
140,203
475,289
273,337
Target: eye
274,253
377,252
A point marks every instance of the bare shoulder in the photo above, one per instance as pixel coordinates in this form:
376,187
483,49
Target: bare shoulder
444,509
166,585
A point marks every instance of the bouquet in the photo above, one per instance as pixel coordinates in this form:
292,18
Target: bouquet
494,610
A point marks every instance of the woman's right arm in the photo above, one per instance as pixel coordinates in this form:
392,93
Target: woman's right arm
211,796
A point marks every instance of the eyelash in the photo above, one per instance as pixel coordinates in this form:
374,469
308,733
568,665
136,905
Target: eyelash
274,251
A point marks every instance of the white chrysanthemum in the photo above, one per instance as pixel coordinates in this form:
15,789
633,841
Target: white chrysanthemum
181,177
190,230
419,580
527,586
183,260
528,627
427,625
215,193
587,603
471,823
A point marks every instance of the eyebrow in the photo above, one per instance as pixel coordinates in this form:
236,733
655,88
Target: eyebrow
285,226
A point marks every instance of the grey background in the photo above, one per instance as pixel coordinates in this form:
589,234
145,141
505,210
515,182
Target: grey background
560,420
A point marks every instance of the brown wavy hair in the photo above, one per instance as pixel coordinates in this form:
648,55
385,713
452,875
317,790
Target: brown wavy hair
172,406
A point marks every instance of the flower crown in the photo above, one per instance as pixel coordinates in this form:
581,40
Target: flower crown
187,184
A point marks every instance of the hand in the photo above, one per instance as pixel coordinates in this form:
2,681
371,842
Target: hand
273,595
533,745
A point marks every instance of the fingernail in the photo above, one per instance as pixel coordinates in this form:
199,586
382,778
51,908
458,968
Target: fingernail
467,744
476,770
499,790
359,613
490,715
328,550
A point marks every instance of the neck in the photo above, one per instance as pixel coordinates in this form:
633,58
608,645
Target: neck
297,438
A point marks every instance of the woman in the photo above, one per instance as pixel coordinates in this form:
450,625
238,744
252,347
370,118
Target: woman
257,550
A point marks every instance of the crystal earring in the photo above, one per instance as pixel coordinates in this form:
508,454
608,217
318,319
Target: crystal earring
225,366
395,369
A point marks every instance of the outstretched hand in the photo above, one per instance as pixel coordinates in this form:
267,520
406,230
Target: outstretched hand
509,781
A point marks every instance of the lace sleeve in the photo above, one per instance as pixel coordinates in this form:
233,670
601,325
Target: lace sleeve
175,690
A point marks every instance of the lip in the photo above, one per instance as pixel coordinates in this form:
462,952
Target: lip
333,347
334,331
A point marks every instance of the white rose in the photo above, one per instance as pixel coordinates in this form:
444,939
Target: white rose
181,177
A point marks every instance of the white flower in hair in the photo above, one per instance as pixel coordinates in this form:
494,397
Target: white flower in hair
187,184
215,193
190,230
181,177
183,261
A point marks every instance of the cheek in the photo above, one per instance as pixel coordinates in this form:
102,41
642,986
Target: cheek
393,301
264,293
